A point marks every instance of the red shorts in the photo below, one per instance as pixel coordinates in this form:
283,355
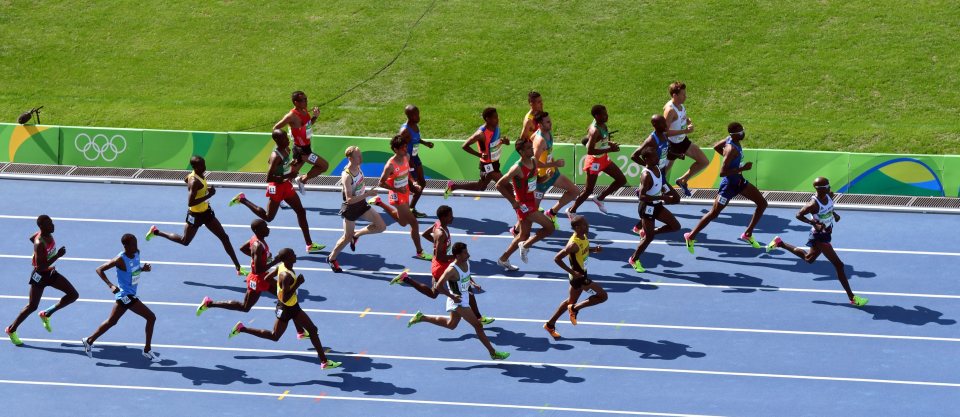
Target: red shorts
531,208
437,268
278,193
595,164
255,282
396,199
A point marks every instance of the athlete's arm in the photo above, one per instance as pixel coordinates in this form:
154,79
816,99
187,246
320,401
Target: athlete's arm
286,120
255,253
718,147
387,171
275,162
528,128
670,195
729,153
194,187
503,185
115,262
808,209
442,244
441,287
468,144
567,251
539,147
246,249
671,117
637,154
646,183
40,254
428,235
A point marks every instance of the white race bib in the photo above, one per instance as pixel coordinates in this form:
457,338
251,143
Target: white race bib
312,157
416,150
595,166
495,152
648,210
271,189
487,168
532,183
722,200
400,182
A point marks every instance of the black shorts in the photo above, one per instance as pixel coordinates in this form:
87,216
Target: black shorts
415,163
44,279
820,237
305,154
199,219
127,300
579,283
352,212
488,168
678,150
649,210
285,312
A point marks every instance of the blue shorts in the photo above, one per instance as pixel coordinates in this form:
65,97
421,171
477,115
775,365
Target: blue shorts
415,162
820,237
730,187
542,187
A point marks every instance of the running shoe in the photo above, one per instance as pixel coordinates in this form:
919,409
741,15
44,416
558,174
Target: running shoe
45,319
600,206
375,201
329,364
859,301
689,242
524,251
353,243
13,337
507,266
399,278
204,305
87,347
775,243
418,214
685,188
151,233
244,270
499,356
553,217
570,214
152,357
236,330
334,265
749,239
236,199
303,335
423,256
301,187
552,331
415,319
448,191
315,248
487,320
635,263
513,231
572,313
637,230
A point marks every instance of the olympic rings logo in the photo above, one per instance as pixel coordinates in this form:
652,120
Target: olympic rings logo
100,147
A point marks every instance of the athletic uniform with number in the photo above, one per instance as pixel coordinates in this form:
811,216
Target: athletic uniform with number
595,164
524,186
302,136
652,210
663,146
578,261
286,310
284,190
732,185
399,178
199,214
258,270
679,143
128,280
491,145
413,147
532,118
46,277
825,216
436,266
352,212
546,177
461,287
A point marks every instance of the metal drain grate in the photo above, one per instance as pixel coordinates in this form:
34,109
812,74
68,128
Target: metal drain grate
163,174
873,200
936,202
3,165
104,172
17,168
259,177
788,197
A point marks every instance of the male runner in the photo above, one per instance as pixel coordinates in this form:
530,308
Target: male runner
410,131
822,217
577,250
279,189
199,213
658,144
523,177
395,178
457,276
125,292
44,275
654,192
489,146
731,184
598,160
548,174
301,128
288,308
439,235
680,126
530,125
354,207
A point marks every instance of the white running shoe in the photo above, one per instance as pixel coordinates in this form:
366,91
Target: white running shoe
87,347
599,204
524,250
153,357
301,187
507,266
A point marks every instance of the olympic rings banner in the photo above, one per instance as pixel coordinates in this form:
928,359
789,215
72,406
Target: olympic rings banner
97,147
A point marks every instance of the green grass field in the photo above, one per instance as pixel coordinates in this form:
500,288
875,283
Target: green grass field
865,76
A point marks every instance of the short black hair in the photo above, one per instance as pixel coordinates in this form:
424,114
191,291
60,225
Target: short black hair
397,142
458,248
597,109
297,95
126,238
532,95
734,127
488,112
444,211
540,116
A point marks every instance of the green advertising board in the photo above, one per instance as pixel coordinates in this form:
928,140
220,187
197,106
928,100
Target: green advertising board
918,175
97,147
171,149
951,175
30,144
796,170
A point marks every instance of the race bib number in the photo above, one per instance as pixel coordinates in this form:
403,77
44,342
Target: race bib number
272,189
648,210
279,311
416,150
36,277
595,166
590,291
253,285
400,182
125,299
309,130
312,157
722,200
495,152
523,208
135,280
532,183
538,195
190,219
487,168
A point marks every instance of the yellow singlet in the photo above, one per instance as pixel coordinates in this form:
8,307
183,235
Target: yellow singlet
545,157
281,270
579,258
204,206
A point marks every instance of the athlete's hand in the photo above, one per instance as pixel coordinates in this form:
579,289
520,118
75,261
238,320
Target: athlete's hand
370,193
475,285
484,155
747,166
211,191
505,140
598,249
114,289
578,274
455,298
147,268
428,144
836,217
818,226
689,127
614,147
560,163
316,112
62,251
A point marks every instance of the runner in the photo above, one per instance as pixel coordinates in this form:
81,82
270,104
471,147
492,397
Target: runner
524,180
577,251
530,125
457,277
395,178
44,275
653,194
658,144
125,292
410,131
301,123
199,213
288,308
280,189
439,235
731,184
675,112
598,160
822,217
547,173
354,207
489,146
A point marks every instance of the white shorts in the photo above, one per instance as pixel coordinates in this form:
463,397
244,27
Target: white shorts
464,302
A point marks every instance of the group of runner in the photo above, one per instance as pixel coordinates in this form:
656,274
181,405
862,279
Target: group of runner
523,185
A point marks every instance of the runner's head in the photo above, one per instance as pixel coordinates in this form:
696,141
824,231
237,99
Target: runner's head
459,251
260,228
650,157
198,164
45,224
822,185
129,243
659,123
280,138
599,113
445,214
299,99
678,92
524,147
543,119
398,145
536,101
580,225
354,155
413,113
287,256
735,129
490,117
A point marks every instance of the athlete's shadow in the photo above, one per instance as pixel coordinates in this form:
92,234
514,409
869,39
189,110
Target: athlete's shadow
769,223
132,358
489,267
920,316
473,226
372,262
610,222
240,288
660,350
351,383
65,348
626,282
794,264
543,374
353,364
719,278
728,248
332,212
521,341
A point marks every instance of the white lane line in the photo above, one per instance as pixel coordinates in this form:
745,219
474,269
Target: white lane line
541,321
558,280
341,398
534,364
497,236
